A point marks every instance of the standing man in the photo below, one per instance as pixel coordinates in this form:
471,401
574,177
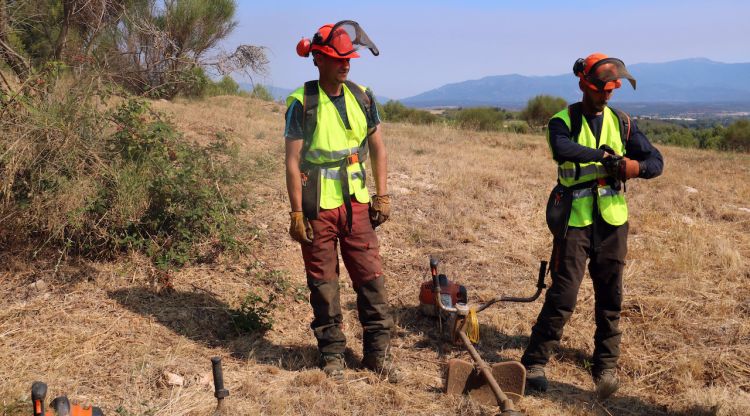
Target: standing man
597,149
331,126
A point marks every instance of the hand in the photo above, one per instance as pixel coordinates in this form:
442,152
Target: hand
628,169
380,209
300,229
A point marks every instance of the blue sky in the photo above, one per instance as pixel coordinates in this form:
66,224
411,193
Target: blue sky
426,44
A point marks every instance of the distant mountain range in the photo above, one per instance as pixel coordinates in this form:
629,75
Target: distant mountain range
676,83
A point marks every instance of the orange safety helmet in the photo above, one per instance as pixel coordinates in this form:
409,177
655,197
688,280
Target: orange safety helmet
600,72
340,40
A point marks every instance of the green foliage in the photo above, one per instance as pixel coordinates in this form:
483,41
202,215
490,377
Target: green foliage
196,84
394,111
540,109
261,92
225,86
480,118
180,184
254,315
737,136
95,182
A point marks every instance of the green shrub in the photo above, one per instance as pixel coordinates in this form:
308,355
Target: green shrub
261,92
737,136
540,109
225,86
83,179
394,111
254,315
517,126
480,118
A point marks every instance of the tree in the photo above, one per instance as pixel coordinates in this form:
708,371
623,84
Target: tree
151,47
156,49
541,108
737,136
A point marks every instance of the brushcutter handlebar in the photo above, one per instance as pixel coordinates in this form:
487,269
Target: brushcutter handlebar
539,287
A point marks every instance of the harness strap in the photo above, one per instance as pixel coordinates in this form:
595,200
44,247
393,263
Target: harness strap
309,124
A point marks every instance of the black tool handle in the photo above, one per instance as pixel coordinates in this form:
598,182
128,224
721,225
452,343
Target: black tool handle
62,406
434,271
542,271
219,391
38,393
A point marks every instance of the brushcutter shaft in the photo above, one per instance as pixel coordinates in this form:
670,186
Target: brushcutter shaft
505,403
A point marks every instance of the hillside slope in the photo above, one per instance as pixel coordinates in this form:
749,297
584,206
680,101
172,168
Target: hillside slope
98,333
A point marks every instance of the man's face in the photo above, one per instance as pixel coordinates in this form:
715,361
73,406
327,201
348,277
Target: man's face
332,69
596,99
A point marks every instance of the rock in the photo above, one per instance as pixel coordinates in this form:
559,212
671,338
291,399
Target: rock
172,379
204,379
690,189
687,220
40,285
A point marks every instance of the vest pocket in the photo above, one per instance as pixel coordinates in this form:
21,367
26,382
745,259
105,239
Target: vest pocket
580,213
612,206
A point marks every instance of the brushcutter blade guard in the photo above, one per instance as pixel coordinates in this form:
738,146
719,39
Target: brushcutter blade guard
464,378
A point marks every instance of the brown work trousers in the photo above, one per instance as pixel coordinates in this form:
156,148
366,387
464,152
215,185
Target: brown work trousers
359,250
606,252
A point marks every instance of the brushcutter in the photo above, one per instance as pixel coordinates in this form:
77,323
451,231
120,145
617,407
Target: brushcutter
499,384
60,405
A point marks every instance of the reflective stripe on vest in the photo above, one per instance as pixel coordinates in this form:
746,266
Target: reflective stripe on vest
333,173
332,141
611,203
318,154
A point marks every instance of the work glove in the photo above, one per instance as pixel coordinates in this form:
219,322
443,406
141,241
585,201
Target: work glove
300,229
380,209
628,169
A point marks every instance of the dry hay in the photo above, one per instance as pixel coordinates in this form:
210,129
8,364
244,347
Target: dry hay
99,333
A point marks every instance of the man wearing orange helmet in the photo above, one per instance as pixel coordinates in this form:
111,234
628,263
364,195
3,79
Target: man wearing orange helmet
597,149
331,127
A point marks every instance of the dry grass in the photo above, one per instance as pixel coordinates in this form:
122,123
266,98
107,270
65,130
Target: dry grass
97,333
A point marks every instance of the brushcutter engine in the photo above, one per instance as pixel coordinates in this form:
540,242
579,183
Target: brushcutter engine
451,293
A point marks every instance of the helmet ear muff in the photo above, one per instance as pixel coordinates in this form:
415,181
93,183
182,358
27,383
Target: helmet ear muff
317,39
303,47
579,66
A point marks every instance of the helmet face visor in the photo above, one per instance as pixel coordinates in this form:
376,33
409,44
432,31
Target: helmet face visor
345,38
605,74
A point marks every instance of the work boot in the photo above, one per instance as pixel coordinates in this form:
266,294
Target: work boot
383,366
536,380
606,383
333,365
